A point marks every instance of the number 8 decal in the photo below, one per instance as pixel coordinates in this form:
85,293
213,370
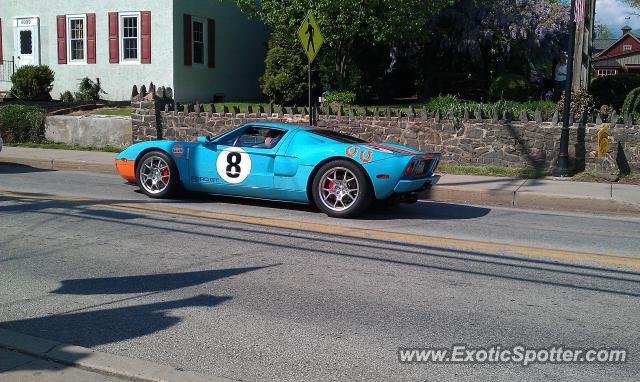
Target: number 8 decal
233,165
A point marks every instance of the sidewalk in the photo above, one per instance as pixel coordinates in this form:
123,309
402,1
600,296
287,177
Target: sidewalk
547,194
25,358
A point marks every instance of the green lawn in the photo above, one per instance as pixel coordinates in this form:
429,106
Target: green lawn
115,111
491,171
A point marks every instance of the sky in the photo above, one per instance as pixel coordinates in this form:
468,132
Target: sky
613,13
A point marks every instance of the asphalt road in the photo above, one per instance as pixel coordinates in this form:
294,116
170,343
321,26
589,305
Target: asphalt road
258,291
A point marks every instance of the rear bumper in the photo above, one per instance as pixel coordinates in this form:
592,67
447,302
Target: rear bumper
405,186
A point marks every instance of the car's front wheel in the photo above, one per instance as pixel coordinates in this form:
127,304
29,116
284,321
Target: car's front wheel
157,175
341,189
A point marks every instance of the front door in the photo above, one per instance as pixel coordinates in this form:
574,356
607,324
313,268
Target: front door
238,164
27,41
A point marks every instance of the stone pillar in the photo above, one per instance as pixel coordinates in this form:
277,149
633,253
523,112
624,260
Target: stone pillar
146,120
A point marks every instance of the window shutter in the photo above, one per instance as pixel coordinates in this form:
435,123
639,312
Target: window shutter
114,54
211,43
91,38
187,41
62,39
145,37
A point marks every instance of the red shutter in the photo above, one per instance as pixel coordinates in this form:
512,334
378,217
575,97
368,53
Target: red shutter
145,37
0,39
114,54
211,43
187,40
91,38
62,39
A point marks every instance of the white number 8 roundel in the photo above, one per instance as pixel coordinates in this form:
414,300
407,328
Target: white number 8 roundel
233,165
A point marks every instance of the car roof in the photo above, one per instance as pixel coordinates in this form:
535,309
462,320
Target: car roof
283,126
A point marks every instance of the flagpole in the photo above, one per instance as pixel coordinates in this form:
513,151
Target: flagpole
562,164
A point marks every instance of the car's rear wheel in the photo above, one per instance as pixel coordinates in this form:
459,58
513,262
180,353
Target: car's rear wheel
341,189
157,175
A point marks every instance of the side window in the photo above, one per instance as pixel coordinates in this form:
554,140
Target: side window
129,36
76,32
198,42
260,137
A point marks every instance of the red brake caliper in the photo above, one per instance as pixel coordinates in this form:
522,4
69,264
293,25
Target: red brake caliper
165,173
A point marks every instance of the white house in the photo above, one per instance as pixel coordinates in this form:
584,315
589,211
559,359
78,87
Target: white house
197,47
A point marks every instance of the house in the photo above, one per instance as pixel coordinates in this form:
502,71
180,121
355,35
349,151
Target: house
199,48
613,57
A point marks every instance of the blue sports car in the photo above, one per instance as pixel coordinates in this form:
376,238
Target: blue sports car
339,174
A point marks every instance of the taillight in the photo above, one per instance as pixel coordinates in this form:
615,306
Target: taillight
409,169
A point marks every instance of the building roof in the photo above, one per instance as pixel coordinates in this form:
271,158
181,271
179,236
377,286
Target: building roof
601,44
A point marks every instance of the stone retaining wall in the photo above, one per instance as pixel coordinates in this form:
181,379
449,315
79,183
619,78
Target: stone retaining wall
497,141
90,130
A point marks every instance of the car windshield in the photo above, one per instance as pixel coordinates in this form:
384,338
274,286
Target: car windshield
339,137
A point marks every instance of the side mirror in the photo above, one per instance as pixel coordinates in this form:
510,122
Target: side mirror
204,140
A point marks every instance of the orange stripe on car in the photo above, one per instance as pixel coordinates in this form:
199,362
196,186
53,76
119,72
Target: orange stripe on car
396,149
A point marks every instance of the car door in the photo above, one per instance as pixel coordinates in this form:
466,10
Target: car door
238,164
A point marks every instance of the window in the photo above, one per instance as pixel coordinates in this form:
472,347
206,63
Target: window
198,42
607,72
130,37
626,48
76,35
26,42
338,137
259,137
254,136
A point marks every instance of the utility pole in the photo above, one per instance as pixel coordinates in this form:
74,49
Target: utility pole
562,164
584,45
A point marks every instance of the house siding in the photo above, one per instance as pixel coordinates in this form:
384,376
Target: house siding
116,79
240,48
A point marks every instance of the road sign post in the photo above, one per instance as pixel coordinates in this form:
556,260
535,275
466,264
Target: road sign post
311,39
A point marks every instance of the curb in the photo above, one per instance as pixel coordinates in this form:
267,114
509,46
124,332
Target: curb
54,164
95,361
531,200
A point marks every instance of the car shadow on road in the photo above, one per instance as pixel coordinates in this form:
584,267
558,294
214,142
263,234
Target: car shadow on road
426,210
13,168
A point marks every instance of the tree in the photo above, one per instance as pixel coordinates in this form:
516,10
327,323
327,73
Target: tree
351,28
489,37
603,31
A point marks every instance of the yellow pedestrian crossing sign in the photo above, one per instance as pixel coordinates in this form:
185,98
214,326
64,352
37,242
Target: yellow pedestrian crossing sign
310,36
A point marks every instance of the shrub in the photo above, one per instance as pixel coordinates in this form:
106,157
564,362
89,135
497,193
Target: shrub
284,78
581,103
32,82
21,123
66,97
632,103
612,90
89,91
453,105
345,98
509,87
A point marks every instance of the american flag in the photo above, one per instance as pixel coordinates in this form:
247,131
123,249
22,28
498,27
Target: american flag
579,10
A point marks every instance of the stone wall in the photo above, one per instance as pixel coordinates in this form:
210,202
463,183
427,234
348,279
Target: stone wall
90,130
496,141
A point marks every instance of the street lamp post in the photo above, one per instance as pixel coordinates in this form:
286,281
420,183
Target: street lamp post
562,164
